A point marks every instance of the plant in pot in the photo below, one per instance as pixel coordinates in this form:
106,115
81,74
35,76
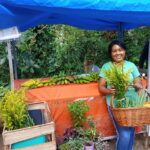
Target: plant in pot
14,115
86,134
90,134
93,140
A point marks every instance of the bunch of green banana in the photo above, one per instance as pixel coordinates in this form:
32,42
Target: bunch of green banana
61,80
33,83
80,80
94,76
48,82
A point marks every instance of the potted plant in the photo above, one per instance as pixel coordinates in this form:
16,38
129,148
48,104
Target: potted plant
90,134
14,115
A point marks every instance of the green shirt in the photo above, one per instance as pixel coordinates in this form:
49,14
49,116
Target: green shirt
126,66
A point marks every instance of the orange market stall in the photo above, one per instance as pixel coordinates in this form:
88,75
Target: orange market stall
109,15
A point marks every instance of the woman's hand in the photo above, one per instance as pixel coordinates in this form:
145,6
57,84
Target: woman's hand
103,89
112,91
137,86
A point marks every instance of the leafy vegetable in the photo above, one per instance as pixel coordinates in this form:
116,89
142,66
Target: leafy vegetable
118,79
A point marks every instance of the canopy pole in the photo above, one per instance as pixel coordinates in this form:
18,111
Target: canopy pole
120,32
13,48
148,72
10,64
148,80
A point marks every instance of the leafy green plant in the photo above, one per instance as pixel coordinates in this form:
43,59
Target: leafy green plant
79,136
90,133
13,110
3,90
99,144
142,98
74,144
78,110
118,79
134,100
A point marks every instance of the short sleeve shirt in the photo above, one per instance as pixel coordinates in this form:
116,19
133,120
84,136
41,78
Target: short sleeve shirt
126,66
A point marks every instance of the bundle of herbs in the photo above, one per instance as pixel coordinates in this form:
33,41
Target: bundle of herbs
118,80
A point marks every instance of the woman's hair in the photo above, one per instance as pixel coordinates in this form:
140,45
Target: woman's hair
115,42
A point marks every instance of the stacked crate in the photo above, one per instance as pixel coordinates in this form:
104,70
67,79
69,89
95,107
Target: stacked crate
47,129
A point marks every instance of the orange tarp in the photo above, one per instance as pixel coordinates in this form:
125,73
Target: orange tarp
59,96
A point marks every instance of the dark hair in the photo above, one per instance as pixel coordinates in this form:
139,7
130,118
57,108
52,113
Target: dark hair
115,42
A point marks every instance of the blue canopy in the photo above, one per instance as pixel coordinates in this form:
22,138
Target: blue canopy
85,14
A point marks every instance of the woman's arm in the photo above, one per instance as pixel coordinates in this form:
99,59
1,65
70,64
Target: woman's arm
102,87
137,83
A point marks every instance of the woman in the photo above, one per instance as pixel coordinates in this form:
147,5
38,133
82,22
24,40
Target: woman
117,52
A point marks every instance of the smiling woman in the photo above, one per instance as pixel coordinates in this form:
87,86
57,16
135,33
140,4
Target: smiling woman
118,54
117,51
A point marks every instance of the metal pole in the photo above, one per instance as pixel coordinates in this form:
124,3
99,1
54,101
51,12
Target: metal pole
120,32
148,80
14,59
148,72
10,64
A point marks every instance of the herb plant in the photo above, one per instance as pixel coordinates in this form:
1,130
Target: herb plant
118,79
78,110
74,144
13,110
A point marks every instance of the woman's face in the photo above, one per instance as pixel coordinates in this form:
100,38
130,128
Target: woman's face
117,53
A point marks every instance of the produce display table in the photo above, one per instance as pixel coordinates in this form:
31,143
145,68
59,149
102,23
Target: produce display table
60,95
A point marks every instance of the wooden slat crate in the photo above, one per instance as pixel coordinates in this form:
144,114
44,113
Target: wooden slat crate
47,129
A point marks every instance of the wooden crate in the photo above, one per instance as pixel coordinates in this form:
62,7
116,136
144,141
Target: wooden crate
47,129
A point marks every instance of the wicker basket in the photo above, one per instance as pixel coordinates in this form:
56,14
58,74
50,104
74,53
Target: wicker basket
131,117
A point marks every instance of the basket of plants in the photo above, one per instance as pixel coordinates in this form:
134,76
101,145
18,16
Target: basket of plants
128,107
131,113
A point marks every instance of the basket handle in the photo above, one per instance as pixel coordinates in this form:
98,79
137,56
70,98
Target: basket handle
147,91
112,101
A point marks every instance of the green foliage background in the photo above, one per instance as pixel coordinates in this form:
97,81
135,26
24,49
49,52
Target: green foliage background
59,49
